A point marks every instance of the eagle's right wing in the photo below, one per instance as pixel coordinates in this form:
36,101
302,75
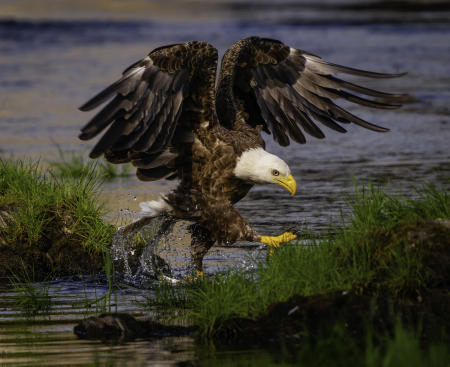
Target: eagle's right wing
289,91
146,116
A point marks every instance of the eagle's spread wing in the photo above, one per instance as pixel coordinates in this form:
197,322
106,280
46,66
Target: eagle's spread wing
288,91
145,112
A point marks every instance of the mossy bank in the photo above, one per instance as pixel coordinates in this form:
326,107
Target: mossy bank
389,263
50,225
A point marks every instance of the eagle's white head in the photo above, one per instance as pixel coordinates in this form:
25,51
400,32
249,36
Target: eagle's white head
260,167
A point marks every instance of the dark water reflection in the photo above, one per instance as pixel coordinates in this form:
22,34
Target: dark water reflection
53,58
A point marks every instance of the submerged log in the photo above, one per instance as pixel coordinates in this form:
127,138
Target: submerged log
122,327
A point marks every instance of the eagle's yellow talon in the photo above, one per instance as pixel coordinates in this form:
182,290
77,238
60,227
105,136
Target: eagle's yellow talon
198,275
275,241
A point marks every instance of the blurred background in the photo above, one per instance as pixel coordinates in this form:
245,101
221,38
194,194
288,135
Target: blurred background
55,54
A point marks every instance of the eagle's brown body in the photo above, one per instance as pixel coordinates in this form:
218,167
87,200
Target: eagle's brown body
171,120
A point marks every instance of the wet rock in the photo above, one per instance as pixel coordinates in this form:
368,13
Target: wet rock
153,247
122,327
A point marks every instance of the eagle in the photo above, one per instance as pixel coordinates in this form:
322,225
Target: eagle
172,118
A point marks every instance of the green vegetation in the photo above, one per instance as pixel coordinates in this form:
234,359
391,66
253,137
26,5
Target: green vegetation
50,222
108,170
32,299
168,301
97,304
390,246
76,166
372,293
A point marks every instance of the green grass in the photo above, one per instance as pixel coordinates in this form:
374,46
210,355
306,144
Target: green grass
98,304
32,299
108,170
75,166
372,207
168,301
37,198
368,256
42,211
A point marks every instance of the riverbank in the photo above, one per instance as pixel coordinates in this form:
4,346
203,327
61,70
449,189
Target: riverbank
379,282
50,225
368,291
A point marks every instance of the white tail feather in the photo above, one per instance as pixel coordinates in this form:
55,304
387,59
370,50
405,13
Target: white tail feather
153,208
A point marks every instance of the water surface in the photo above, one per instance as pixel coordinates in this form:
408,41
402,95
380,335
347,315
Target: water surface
54,56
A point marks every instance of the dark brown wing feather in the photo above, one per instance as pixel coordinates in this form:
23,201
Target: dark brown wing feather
144,114
289,91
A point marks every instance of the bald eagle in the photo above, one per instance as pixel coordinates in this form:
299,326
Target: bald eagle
171,119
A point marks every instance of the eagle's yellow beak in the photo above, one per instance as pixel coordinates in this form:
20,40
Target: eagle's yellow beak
288,183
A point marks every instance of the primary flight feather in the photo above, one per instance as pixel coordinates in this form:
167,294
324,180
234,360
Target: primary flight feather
169,118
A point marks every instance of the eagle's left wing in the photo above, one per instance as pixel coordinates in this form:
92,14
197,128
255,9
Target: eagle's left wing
152,109
288,91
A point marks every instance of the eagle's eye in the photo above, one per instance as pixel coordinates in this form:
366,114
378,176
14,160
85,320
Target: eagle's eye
275,172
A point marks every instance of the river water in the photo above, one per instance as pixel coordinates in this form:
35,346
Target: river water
55,55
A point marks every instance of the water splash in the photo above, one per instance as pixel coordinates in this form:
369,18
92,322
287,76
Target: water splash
152,248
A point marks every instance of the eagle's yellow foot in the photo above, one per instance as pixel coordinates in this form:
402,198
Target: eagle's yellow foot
198,275
275,241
